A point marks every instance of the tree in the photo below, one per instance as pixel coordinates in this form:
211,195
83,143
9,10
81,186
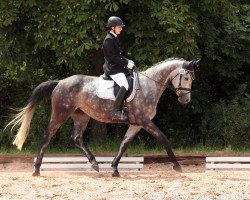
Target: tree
41,40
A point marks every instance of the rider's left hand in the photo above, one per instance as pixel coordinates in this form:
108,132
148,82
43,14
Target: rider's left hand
131,64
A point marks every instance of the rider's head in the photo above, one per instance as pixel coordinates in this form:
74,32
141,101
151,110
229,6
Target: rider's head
115,24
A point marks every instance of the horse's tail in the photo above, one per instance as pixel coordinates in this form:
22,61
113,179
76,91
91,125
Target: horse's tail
24,116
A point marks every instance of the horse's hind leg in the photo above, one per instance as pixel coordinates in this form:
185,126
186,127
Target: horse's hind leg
50,131
130,134
80,123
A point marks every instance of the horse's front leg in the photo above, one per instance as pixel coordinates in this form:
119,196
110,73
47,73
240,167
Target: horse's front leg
130,134
156,132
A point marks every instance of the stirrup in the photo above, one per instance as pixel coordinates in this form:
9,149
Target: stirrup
119,116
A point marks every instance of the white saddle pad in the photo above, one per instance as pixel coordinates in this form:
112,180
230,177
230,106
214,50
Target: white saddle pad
105,89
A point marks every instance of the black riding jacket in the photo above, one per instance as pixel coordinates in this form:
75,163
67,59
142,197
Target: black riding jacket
114,61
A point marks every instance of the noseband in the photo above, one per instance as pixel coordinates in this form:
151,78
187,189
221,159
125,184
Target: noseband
182,71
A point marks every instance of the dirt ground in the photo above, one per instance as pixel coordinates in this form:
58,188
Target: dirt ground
156,181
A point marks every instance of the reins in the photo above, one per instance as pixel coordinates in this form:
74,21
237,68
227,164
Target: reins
181,72
160,83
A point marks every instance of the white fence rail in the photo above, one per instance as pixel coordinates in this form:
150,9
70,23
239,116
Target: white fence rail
227,162
82,163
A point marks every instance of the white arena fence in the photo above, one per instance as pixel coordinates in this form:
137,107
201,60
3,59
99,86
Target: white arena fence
228,163
82,163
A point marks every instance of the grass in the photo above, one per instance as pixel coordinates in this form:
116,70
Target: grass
133,149
211,150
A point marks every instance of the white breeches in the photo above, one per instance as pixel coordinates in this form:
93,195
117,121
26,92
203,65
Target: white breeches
120,79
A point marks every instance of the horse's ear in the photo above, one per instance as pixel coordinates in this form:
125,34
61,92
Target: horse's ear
189,65
196,62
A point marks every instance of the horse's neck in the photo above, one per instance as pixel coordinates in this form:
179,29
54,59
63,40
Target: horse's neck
161,74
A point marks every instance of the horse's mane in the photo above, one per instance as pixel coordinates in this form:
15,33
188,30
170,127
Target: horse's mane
164,61
168,59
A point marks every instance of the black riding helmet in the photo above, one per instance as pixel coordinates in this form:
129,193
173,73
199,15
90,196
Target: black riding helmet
115,21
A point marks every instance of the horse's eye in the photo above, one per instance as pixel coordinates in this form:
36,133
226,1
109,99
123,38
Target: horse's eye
186,78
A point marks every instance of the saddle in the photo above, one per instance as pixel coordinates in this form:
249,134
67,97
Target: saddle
108,89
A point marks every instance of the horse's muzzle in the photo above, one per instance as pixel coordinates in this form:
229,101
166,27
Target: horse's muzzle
184,99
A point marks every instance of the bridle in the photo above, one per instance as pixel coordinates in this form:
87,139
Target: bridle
182,71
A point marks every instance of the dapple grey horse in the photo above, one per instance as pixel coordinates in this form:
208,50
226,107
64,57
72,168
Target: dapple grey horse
76,97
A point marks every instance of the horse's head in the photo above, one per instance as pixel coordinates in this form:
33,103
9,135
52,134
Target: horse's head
182,78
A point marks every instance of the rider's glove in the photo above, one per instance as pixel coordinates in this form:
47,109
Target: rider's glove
131,64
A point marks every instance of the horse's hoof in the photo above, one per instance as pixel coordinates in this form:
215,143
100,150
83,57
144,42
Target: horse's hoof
36,174
116,174
95,166
177,168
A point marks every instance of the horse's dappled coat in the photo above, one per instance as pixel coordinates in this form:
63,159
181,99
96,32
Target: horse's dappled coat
76,97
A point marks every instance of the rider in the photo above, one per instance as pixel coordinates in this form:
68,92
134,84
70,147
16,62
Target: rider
115,63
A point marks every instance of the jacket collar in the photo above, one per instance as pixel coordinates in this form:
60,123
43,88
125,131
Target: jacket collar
113,33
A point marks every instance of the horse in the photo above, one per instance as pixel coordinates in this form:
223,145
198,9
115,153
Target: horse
75,97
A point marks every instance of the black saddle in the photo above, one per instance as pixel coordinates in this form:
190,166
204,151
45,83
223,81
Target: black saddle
130,79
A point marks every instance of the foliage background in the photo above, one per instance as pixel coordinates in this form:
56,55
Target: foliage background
41,40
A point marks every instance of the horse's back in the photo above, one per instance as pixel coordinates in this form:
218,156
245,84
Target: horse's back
73,85
78,79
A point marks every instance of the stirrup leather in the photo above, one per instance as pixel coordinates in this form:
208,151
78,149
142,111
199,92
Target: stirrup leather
120,115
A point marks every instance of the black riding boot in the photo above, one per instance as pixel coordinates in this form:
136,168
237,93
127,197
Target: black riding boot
118,115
